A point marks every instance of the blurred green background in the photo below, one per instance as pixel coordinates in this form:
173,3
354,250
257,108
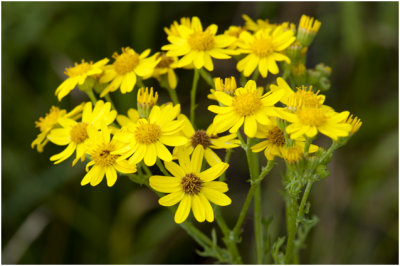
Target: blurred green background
47,217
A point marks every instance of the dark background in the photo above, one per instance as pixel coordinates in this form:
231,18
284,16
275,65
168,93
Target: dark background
47,217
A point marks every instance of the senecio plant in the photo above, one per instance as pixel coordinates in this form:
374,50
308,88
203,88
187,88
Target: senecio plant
280,119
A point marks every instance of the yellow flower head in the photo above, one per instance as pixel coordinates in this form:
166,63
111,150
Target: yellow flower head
50,121
256,25
191,187
205,138
264,49
146,139
125,69
166,66
78,75
247,106
311,120
275,143
173,29
146,99
303,97
355,123
198,46
228,86
103,162
293,154
308,28
75,134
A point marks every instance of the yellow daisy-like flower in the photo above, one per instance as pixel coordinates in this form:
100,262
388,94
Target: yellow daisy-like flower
166,67
173,29
303,97
197,46
205,138
228,86
311,120
256,25
50,121
127,65
103,162
247,106
234,31
293,154
146,139
275,143
78,75
264,49
75,134
193,188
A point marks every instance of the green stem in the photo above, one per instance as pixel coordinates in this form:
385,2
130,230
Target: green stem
173,95
146,169
227,158
256,74
206,77
91,96
291,215
303,202
193,96
161,167
108,98
242,143
245,207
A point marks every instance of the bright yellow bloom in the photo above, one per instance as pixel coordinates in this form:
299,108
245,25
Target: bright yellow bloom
50,121
197,46
207,139
146,139
355,123
247,106
275,143
256,25
303,97
308,28
311,120
75,134
127,65
228,86
173,30
264,49
192,187
146,99
166,67
293,154
103,162
234,31
78,75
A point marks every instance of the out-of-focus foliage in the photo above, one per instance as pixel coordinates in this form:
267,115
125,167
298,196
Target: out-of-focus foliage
47,217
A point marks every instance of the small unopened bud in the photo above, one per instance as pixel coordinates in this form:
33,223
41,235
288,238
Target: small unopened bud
145,101
308,28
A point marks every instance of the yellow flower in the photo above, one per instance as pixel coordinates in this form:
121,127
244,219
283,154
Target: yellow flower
264,49
293,154
146,99
103,162
256,25
205,138
234,31
192,187
308,28
50,121
146,139
275,143
133,116
78,75
228,86
127,65
303,97
197,46
166,67
311,120
355,123
75,134
173,30
247,106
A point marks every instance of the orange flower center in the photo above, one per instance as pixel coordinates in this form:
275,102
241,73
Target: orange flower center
79,133
102,155
201,41
201,137
191,184
276,136
165,61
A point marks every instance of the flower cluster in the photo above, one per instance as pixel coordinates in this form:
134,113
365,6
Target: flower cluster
283,117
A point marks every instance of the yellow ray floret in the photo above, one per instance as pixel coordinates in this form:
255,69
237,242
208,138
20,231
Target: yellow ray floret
198,46
147,138
192,188
264,49
247,107
78,75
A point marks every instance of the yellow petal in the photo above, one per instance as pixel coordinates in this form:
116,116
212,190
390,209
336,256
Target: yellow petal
111,176
209,213
165,184
211,157
150,156
183,209
171,199
163,152
250,126
174,169
197,159
213,172
216,197
217,185
198,209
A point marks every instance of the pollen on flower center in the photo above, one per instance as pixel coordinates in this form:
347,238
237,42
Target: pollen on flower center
201,137
47,122
102,155
246,104
276,136
191,184
147,133
78,133
126,62
165,61
201,41
78,69
263,47
305,98
311,116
